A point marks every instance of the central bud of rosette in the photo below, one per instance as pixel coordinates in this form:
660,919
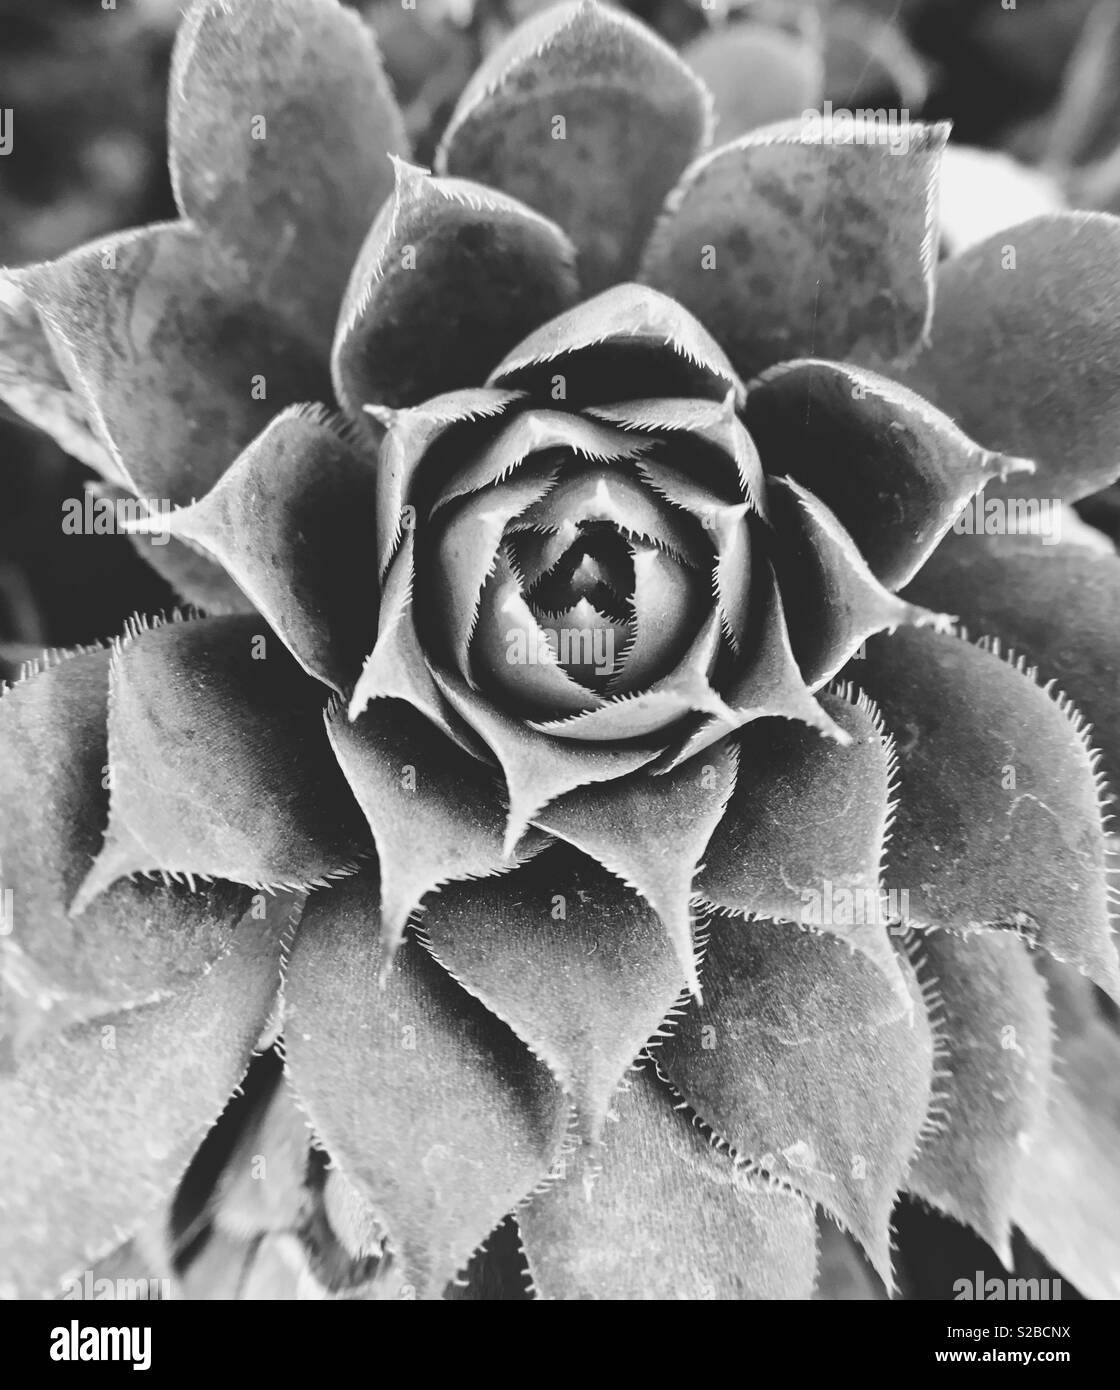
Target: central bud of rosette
578,536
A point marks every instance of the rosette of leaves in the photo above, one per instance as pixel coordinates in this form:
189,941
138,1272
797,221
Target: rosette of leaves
561,687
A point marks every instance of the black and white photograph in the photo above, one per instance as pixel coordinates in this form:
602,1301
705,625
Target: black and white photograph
559,669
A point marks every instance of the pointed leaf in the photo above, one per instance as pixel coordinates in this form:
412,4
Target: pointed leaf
281,122
666,1218
588,116
436,813
893,469
176,369
993,1077
292,522
428,1104
757,74
805,1060
801,240
100,1123
629,341
832,600
219,763
651,832
803,836
571,959
451,276
141,941
998,818
1051,280
1021,589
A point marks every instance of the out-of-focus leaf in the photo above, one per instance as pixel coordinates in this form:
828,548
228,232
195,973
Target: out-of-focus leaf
428,1104
984,192
292,521
281,124
571,959
1068,1204
805,1060
262,1184
140,941
803,836
629,341
651,832
219,763
756,75
588,116
175,367
436,813
100,1123
1047,597
1043,300
833,601
843,1274
1086,121
768,682
998,820
537,768
34,387
795,242
893,469
993,1078
451,276
668,1217
867,59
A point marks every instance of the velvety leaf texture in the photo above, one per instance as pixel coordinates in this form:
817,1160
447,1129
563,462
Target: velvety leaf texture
804,1059
428,1104
1002,831
716,1232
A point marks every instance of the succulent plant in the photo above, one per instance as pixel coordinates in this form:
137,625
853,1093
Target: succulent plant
570,767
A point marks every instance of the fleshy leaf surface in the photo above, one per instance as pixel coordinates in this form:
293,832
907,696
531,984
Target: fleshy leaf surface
998,822
994,1059
790,242
281,124
219,763
585,114
428,1104
101,1122
574,961
450,277
667,1217
804,1059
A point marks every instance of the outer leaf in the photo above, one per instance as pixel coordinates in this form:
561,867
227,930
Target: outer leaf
832,600
1067,1201
806,1062
436,813
175,367
998,818
1056,405
450,277
428,1104
571,959
651,346
292,522
666,1218
803,836
793,242
1020,589
34,387
219,764
588,116
993,1078
100,1124
140,942
281,124
651,832
893,469
756,75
